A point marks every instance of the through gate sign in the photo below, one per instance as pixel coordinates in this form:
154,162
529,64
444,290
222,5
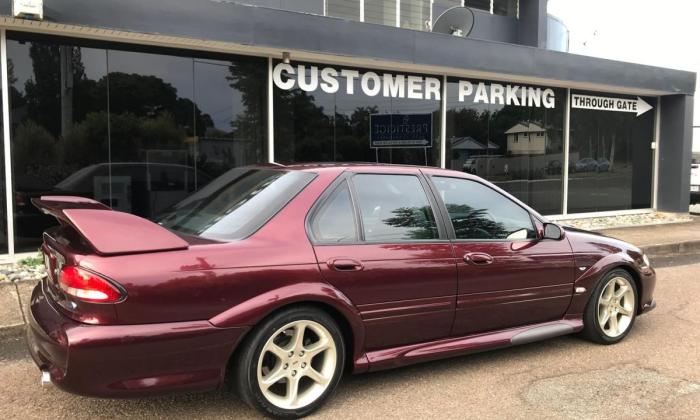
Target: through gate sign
603,103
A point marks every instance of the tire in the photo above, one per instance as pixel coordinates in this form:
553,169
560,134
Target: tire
609,323
273,353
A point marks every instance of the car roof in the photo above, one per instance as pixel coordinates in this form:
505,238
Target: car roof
354,166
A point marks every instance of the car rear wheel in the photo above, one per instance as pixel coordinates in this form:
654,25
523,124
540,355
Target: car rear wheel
291,363
612,308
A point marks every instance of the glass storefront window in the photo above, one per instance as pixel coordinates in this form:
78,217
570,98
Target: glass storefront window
515,142
505,7
478,4
415,14
58,130
3,205
382,12
138,129
447,3
610,158
344,9
312,124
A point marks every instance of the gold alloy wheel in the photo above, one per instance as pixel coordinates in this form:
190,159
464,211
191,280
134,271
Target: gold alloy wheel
616,306
297,364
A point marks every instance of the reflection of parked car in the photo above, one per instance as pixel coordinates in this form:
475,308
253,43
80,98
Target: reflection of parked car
694,182
603,165
553,167
586,165
592,165
141,188
469,166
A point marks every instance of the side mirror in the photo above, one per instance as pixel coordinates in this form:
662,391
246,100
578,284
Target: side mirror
552,231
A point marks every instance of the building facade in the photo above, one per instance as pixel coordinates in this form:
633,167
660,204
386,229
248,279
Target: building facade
138,104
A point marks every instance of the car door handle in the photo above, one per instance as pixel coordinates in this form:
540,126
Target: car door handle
344,264
478,258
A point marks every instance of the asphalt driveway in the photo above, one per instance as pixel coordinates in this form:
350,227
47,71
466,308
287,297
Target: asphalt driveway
654,373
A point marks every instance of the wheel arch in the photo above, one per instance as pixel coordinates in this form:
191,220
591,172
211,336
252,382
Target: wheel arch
592,276
322,296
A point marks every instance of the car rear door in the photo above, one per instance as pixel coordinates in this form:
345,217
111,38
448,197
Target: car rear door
507,275
378,239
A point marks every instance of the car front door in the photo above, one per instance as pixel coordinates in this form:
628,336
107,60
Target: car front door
508,276
378,240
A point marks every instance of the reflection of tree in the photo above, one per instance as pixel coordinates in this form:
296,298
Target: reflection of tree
308,131
471,223
43,92
150,96
146,113
245,77
419,219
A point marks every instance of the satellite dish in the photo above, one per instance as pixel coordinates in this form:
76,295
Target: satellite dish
457,21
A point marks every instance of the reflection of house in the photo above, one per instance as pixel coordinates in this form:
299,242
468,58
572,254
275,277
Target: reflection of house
469,146
527,138
465,147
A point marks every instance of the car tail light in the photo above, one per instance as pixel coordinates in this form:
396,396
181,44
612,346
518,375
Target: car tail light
87,286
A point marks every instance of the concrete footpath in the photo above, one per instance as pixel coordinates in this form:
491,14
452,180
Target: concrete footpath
661,240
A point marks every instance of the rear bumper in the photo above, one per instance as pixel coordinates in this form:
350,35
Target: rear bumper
127,360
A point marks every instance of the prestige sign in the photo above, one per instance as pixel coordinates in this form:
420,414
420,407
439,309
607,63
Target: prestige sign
400,130
329,80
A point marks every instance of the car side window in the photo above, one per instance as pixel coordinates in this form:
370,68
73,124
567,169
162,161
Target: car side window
394,208
335,221
479,212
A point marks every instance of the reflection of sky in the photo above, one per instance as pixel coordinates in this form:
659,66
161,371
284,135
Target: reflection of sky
209,76
210,85
209,79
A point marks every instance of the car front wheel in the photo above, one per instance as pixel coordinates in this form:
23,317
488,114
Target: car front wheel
292,362
612,308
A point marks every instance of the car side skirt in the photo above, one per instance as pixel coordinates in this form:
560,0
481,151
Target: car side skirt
473,343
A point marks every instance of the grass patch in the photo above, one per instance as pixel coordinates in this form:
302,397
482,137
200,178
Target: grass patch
34,261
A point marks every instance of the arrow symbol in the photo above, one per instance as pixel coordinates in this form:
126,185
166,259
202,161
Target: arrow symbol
642,106
606,103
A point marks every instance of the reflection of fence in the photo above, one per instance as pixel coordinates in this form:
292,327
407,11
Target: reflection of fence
518,167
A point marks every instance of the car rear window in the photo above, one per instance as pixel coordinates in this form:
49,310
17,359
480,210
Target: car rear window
236,204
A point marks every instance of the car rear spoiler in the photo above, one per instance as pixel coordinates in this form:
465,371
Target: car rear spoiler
109,232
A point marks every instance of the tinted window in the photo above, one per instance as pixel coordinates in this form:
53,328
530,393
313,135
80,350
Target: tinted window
345,9
135,127
335,221
236,204
610,158
394,208
318,126
517,145
478,212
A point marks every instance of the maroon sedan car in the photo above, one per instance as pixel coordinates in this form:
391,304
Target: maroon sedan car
282,278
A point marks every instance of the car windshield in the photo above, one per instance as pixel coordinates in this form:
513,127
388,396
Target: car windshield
236,204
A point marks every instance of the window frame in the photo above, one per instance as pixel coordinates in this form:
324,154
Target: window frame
322,203
348,176
448,220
